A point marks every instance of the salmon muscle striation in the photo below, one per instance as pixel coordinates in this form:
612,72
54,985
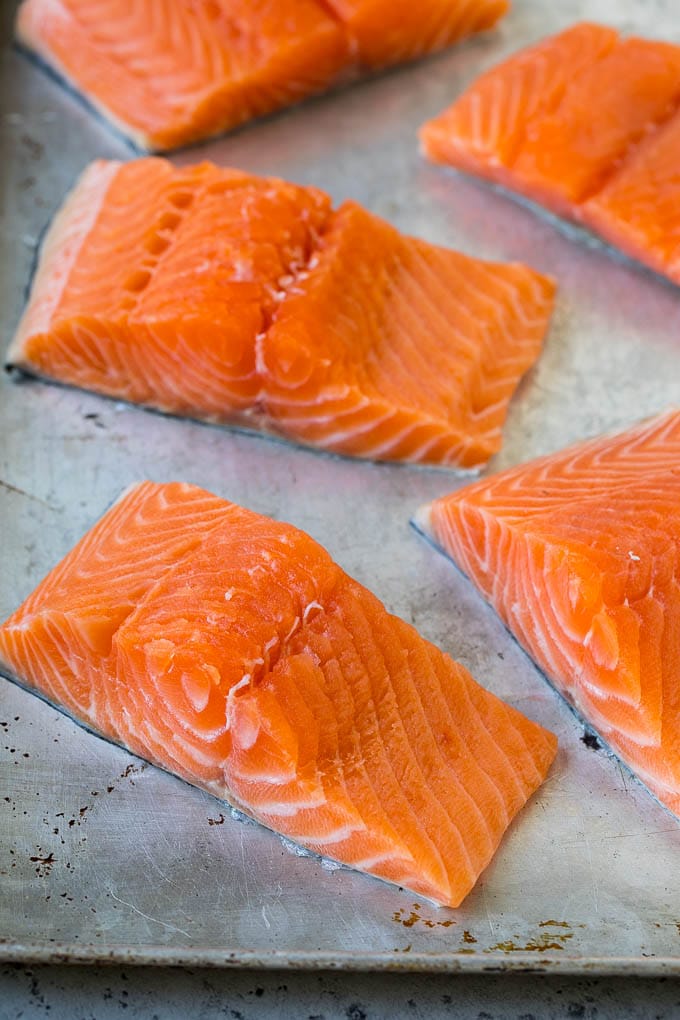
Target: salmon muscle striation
248,300
171,72
579,553
232,651
586,123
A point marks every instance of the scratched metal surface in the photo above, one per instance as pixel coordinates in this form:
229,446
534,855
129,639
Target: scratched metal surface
102,857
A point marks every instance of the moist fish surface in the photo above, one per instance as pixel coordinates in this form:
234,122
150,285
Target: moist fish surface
579,553
232,651
215,294
171,72
586,123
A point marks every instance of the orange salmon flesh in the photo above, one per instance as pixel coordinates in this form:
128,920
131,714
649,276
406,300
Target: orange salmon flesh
232,651
171,72
248,300
579,553
586,123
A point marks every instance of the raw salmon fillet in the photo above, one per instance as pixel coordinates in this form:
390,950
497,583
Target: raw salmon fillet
171,72
232,651
248,300
579,553
586,123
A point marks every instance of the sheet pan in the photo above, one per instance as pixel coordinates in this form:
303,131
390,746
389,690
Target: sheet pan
102,857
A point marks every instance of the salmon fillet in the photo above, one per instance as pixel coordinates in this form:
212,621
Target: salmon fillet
232,651
585,123
239,299
171,72
579,553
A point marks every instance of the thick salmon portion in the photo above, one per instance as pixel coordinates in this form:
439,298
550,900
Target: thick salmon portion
385,32
172,72
579,553
638,209
232,651
400,349
193,264
483,130
585,123
240,299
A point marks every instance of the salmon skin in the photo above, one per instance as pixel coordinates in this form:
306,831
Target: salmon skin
586,123
579,553
170,72
214,294
233,652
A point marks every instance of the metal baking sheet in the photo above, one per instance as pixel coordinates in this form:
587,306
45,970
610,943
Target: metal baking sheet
102,857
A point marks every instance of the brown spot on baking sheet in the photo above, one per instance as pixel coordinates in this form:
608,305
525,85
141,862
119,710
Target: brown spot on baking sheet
414,918
43,864
32,145
541,944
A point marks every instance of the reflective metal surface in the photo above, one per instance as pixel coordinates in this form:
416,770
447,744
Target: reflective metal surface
102,857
